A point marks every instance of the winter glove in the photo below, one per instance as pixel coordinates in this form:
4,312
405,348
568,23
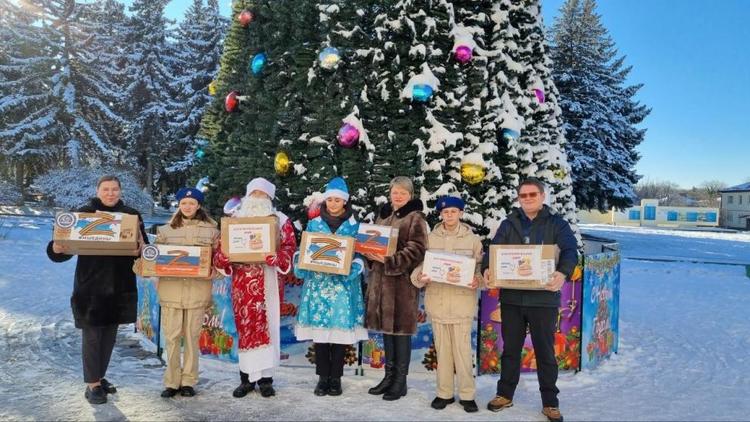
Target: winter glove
221,262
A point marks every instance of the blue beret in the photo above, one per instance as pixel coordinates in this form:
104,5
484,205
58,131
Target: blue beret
190,193
450,202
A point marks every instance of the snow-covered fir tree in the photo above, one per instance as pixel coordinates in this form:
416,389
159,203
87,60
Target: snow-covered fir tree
197,48
394,123
333,82
19,46
150,99
453,126
543,135
501,119
423,108
10,194
108,40
303,38
62,86
600,115
243,142
73,187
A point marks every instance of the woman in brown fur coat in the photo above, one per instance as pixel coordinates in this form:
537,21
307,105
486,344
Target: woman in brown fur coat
392,300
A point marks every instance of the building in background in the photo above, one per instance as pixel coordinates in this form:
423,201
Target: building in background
735,207
650,213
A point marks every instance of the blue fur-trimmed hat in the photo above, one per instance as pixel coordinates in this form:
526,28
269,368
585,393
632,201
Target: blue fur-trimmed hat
449,202
337,188
189,193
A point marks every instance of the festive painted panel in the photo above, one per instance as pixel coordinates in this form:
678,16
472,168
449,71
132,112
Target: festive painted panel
218,338
601,308
567,338
147,322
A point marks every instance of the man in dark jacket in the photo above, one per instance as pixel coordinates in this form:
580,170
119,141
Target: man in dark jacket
535,224
104,294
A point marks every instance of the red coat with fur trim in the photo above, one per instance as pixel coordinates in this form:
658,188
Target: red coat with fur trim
249,284
392,300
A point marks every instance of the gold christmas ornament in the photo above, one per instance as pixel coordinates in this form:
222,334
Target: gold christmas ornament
212,88
560,174
281,163
472,173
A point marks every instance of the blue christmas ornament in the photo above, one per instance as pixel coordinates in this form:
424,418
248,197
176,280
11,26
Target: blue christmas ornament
329,57
510,135
421,93
258,63
200,154
202,184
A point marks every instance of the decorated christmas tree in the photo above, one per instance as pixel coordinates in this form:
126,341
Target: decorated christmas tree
454,94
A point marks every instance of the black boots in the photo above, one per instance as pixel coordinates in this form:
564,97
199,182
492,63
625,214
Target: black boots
265,385
397,357
470,406
243,389
245,386
96,395
385,384
402,357
107,386
187,391
321,389
440,404
329,365
334,386
169,392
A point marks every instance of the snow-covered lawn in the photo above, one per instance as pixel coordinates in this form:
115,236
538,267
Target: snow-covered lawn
683,352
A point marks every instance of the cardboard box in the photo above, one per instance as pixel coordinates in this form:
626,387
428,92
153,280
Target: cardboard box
249,239
176,261
525,267
326,253
375,239
98,233
449,268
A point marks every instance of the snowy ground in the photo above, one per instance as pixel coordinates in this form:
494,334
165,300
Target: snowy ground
683,351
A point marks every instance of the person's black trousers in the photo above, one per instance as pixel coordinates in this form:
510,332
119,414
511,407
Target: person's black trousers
542,323
97,346
329,359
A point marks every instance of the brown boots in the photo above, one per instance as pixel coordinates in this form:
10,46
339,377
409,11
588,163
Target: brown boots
499,403
553,414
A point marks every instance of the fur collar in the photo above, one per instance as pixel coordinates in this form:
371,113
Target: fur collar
408,208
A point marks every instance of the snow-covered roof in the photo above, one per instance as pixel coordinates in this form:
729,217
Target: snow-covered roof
745,187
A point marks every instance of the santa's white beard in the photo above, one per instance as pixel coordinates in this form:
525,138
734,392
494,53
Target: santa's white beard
254,207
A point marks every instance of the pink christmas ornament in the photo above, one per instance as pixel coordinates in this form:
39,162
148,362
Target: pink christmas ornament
348,136
463,54
539,95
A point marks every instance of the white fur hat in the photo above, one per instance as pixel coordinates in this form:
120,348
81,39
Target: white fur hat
262,185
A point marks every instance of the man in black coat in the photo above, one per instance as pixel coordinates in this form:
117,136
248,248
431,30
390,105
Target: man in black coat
535,224
104,294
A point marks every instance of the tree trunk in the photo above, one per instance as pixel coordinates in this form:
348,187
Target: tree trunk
20,180
149,174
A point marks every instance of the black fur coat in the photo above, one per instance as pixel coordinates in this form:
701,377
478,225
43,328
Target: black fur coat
104,288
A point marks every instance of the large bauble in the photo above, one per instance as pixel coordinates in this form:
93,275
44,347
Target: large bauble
472,173
348,136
